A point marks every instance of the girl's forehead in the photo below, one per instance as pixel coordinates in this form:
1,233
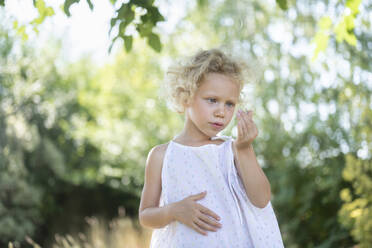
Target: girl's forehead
219,85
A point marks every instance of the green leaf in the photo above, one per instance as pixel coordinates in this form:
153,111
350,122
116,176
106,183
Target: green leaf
353,5
90,4
112,24
15,24
67,6
202,3
145,29
351,39
321,38
325,23
125,14
128,42
154,42
350,22
2,2
122,28
21,31
36,30
321,41
340,31
282,4
112,43
141,3
44,11
125,11
154,15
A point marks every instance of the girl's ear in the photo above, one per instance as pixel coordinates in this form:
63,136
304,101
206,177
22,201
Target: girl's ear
187,103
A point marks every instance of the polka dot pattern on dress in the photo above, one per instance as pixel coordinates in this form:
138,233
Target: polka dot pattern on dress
189,170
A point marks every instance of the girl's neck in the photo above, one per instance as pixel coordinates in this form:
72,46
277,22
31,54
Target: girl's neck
192,135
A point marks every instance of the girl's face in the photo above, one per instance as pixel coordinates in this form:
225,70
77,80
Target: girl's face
213,104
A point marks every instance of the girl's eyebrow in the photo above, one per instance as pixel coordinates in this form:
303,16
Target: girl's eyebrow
215,96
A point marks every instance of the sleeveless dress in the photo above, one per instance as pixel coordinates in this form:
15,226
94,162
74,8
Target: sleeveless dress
189,170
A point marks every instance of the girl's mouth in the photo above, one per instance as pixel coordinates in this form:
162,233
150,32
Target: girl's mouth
216,125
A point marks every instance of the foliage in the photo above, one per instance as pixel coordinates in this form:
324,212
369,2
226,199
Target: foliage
77,136
66,131
343,30
141,15
19,196
144,16
126,15
356,212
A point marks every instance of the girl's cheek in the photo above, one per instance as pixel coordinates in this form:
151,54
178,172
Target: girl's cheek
206,109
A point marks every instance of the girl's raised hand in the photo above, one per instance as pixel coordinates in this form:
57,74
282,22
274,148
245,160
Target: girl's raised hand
247,130
195,215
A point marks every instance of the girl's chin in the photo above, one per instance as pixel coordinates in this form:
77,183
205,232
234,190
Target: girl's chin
214,134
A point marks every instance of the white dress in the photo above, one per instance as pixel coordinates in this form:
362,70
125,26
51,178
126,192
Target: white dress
189,170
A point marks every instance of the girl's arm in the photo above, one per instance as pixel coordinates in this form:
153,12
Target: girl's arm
256,184
150,214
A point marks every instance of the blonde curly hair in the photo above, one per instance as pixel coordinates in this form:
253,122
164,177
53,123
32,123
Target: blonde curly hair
183,79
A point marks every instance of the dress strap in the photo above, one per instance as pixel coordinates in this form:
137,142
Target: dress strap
232,178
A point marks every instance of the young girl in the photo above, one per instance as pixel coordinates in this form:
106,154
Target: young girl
203,190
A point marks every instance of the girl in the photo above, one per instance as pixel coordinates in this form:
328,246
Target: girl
203,190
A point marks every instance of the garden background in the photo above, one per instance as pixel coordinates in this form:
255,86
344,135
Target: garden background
80,110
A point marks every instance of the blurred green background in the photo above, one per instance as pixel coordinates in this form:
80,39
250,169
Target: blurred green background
75,133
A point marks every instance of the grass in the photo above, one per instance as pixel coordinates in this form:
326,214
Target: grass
122,232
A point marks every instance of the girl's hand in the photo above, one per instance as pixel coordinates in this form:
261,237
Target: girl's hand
247,130
194,215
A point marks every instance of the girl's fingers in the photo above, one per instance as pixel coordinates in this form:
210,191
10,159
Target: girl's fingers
244,127
249,123
198,196
198,229
240,128
245,123
209,212
247,118
250,114
209,221
204,225
238,117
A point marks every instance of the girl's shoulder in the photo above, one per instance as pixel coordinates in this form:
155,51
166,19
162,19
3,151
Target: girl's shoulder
152,183
157,153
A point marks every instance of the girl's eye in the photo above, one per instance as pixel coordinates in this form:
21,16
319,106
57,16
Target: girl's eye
211,100
230,104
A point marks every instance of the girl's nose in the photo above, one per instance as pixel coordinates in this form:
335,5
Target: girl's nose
220,112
